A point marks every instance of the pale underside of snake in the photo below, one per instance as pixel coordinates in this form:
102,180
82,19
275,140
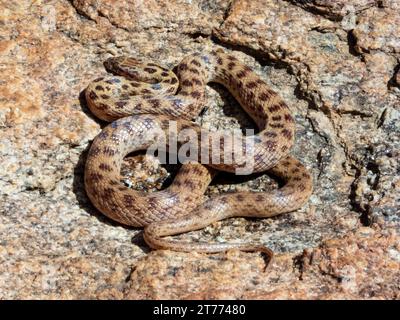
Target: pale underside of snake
143,98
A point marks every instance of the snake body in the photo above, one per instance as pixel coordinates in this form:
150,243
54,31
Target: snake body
142,101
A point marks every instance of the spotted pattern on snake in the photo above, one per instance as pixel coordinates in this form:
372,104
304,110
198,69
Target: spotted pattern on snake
142,101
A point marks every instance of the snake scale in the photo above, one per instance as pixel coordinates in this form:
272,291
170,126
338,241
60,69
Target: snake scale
140,100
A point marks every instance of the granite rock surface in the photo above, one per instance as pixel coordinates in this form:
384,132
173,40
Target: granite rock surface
336,65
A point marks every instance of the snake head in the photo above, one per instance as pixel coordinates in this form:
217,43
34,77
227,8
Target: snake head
124,66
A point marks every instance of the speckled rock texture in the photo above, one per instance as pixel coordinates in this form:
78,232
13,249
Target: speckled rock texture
336,63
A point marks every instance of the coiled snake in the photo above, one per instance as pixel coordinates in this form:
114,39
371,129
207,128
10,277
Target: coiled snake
142,101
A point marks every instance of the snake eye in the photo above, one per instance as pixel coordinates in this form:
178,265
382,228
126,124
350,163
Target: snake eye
109,64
